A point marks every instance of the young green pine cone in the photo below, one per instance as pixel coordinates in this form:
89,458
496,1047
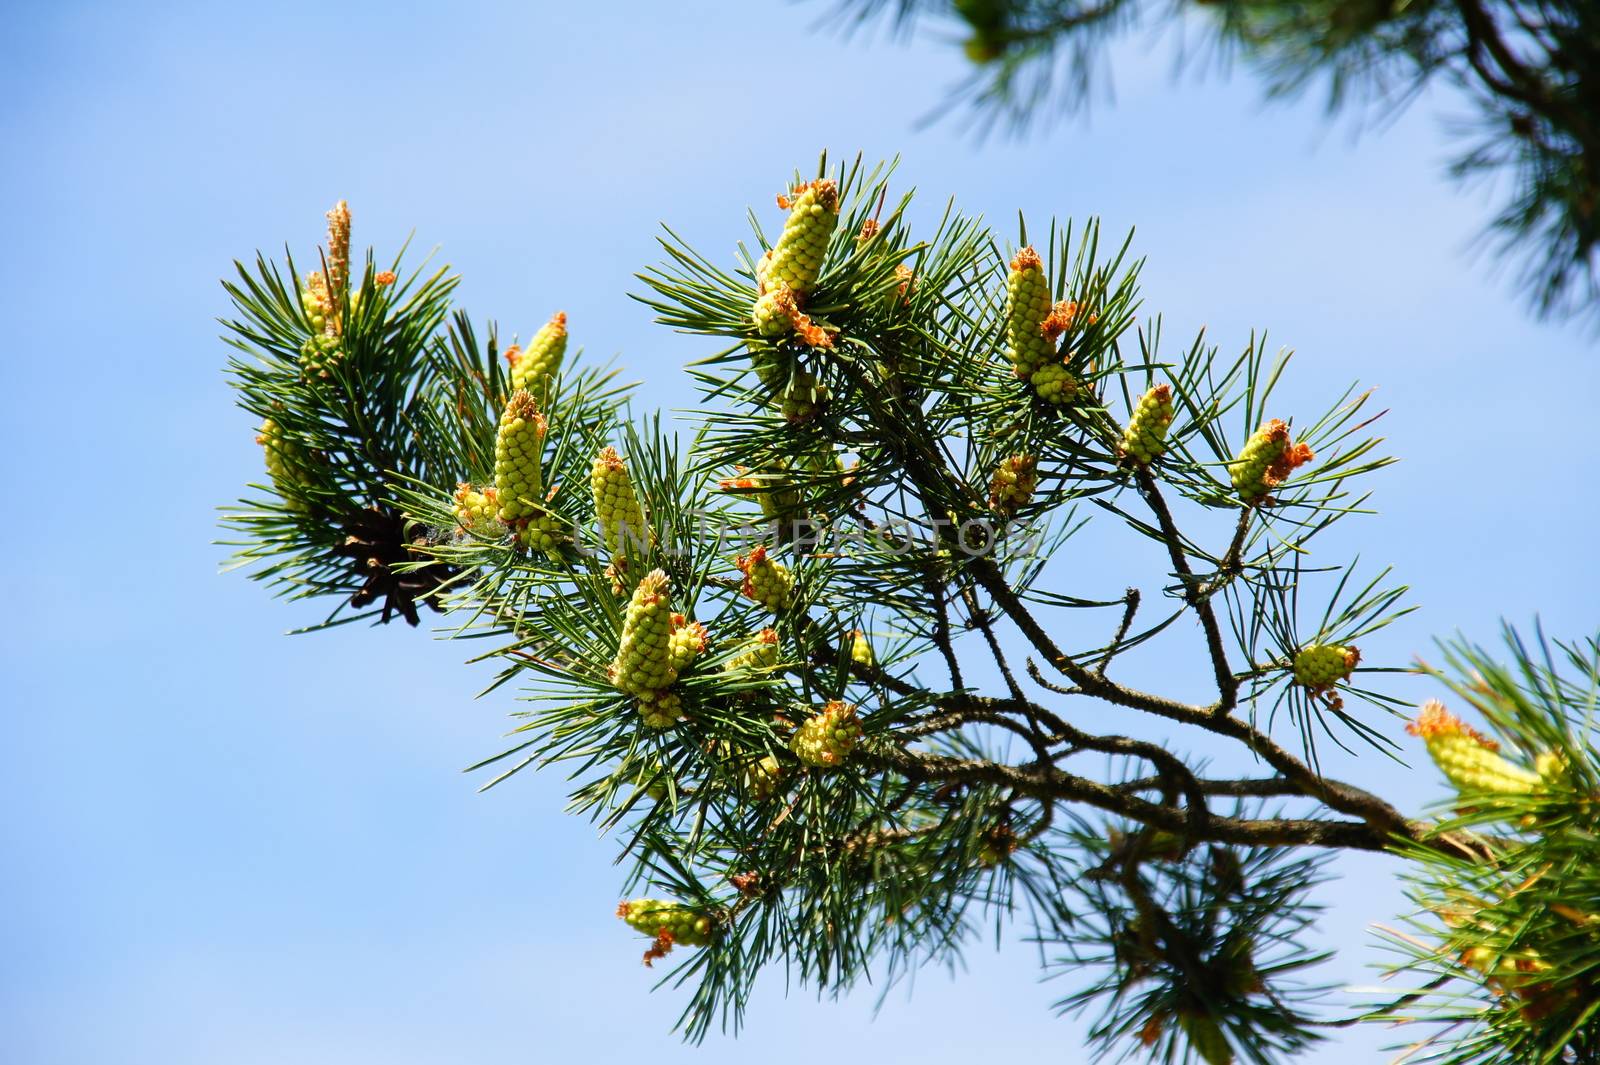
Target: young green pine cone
286,463
765,581
318,355
644,664
826,739
1054,383
1321,665
541,531
1266,461
321,349
774,312
1552,769
762,778
1013,483
771,367
518,452
760,652
796,259
1027,307
687,926
688,639
1145,438
782,498
660,709
615,503
776,494
478,512
860,648
316,301
1467,758
533,366
803,399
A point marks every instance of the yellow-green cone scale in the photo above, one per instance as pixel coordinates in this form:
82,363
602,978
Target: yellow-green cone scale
1319,665
286,462
518,454
643,665
1013,483
533,366
688,639
1266,459
796,259
762,778
660,710
1145,437
616,505
478,512
1027,307
826,739
688,927
1054,383
758,652
1468,760
765,581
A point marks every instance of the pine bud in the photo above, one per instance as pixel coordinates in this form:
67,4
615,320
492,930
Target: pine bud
1054,383
827,739
765,581
1027,307
759,652
286,463
905,282
1468,759
796,259
338,263
762,778
1145,438
660,710
1320,665
615,503
1013,483
478,512
1266,461
643,665
687,641
533,366
688,926
518,452
861,649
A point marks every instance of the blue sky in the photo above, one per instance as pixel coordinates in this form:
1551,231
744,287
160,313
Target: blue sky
224,845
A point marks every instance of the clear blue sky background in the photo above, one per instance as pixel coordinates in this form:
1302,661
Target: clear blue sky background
223,845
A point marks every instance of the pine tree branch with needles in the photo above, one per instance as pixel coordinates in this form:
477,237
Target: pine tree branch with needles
813,658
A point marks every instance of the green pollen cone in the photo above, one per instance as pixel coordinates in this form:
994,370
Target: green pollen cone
518,452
